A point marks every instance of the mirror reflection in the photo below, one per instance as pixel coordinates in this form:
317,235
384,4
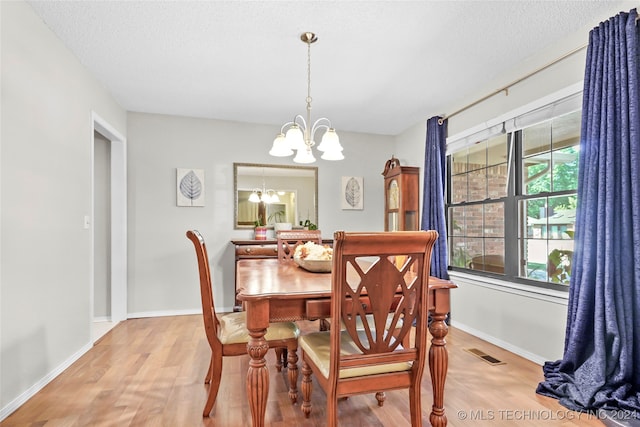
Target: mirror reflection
279,197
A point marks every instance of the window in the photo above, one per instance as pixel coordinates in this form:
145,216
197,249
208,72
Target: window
478,177
511,203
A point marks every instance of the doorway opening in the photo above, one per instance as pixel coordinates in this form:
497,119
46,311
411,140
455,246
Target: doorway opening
108,228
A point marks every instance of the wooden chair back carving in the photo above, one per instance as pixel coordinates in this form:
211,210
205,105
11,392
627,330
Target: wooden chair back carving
289,240
380,289
368,280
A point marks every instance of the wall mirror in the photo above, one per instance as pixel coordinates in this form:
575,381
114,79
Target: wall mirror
277,194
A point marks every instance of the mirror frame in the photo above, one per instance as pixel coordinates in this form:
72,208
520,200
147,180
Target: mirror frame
313,169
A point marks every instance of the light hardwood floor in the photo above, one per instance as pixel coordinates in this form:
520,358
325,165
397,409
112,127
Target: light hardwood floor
149,372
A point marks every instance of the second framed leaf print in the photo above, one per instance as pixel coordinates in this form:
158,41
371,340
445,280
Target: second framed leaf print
352,192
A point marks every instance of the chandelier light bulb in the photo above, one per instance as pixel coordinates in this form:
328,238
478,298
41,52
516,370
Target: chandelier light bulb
254,198
330,141
280,147
304,155
295,138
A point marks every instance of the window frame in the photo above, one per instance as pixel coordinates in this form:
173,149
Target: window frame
514,242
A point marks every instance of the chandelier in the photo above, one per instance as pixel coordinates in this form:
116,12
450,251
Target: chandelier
266,196
263,194
300,133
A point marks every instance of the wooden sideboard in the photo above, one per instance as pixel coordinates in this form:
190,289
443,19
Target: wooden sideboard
252,249
256,249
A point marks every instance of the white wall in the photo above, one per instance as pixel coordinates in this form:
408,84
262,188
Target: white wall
47,100
518,318
162,267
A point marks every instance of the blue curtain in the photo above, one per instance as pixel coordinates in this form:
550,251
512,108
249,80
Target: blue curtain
600,368
433,193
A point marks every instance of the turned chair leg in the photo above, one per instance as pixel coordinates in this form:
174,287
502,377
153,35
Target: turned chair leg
292,368
281,358
380,397
306,389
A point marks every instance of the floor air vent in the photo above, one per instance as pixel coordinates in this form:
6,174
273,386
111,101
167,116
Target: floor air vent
482,355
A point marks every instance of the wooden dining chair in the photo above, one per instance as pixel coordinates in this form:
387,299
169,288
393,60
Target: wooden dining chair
289,240
228,336
371,354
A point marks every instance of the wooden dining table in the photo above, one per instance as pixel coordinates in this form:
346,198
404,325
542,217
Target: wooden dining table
273,291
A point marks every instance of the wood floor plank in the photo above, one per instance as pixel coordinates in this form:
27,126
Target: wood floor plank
150,372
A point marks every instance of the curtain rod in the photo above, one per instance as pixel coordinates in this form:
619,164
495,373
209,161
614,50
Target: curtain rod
513,83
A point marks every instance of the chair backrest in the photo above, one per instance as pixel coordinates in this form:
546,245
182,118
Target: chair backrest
288,240
377,274
211,322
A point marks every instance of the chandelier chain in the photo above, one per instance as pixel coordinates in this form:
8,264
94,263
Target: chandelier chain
309,99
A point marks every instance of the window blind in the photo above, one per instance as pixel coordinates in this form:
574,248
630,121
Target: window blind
562,102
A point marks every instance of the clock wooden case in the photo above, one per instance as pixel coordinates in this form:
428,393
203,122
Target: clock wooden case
401,196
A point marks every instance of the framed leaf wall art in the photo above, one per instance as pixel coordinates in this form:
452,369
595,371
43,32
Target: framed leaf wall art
352,192
189,187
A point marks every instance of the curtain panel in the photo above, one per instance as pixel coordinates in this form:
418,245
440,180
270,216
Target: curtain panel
433,217
600,368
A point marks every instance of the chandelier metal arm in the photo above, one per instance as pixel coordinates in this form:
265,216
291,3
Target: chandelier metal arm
287,125
303,124
321,123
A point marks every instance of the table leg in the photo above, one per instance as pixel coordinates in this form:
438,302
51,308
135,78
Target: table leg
258,373
439,360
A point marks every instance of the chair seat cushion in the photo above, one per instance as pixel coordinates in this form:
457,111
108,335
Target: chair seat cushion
233,329
316,347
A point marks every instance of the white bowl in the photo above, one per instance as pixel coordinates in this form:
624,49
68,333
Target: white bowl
315,265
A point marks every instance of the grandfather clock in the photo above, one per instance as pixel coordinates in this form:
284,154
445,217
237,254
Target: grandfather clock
401,196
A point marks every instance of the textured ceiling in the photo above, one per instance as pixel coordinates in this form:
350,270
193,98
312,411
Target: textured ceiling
378,66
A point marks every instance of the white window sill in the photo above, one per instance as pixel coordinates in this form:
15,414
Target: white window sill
551,295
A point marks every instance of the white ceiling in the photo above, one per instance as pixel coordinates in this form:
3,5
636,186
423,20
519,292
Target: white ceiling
378,66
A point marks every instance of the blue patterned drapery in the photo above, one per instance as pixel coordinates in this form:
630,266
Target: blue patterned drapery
600,368
433,193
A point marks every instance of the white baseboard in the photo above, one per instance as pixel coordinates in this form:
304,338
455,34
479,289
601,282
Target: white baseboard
143,314
31,391
102,319
535,358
